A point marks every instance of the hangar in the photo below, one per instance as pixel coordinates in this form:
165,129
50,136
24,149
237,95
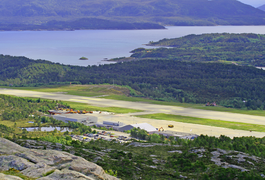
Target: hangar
149,128
85,119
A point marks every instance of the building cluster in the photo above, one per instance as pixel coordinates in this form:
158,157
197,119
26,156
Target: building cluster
90,120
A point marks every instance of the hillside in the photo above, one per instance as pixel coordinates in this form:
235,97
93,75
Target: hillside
242,49
46,164
262,7
37,14
54,155
166,80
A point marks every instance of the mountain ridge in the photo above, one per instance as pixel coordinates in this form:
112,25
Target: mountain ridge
169,12
262,7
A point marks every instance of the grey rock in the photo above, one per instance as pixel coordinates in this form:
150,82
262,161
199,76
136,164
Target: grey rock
66,175
197,151
155,161
9,177
237,167
35,163
180,176
154,167
176,151
37,170
11,161
97,159
251,163
221,151
8,147
137,144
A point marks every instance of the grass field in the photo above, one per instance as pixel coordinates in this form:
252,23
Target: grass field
208,122
84,106
122,93
20,123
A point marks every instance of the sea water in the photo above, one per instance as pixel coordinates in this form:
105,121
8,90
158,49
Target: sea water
66,47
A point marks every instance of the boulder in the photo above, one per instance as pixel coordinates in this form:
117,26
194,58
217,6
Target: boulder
48,164
11,161
9,177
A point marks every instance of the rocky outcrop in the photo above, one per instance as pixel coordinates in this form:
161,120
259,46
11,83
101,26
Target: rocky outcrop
48,164
9,177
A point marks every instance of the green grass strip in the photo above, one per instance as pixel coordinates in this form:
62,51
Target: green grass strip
208,122
81,91
187,105
84,106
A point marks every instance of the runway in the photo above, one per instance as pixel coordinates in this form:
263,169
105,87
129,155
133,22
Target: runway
154,108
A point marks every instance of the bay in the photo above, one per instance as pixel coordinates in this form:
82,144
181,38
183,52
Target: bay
66,47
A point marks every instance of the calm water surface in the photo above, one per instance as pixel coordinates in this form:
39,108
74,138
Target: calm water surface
62,129
67,47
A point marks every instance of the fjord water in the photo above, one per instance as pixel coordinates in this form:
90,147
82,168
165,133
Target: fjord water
67,47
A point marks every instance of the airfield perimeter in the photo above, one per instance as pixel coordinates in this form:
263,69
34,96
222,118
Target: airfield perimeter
154,108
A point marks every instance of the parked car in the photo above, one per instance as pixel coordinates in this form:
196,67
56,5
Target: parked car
90,135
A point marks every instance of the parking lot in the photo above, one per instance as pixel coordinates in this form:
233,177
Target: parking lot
104,135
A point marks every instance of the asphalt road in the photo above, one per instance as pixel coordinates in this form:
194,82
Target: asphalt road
153,108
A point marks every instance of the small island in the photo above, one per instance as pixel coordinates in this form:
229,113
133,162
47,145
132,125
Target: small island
83,58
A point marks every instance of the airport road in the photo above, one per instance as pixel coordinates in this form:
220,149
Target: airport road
153,108
149,108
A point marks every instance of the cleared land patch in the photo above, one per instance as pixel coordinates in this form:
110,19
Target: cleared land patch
209,122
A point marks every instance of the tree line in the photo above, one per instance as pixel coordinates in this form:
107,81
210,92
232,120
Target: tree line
165,80
242,49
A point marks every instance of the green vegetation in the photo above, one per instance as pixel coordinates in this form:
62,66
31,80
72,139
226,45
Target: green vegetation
94,108
115,14
169,159
83,58
85,90
16,112
123,93
187,105
79,24
242,49
14,172
208,122
228,85
191,159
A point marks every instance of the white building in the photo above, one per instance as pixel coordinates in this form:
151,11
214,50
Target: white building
85,119
149,128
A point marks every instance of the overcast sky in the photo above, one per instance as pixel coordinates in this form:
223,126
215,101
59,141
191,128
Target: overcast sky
255,3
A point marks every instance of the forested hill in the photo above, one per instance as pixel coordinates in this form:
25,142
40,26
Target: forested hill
262,7
166,80
242,49
39,14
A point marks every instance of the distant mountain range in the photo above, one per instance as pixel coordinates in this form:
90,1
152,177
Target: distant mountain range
262,7
62,14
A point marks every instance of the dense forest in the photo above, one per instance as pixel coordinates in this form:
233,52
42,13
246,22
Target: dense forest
37,14
83,23
242,49
166,80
